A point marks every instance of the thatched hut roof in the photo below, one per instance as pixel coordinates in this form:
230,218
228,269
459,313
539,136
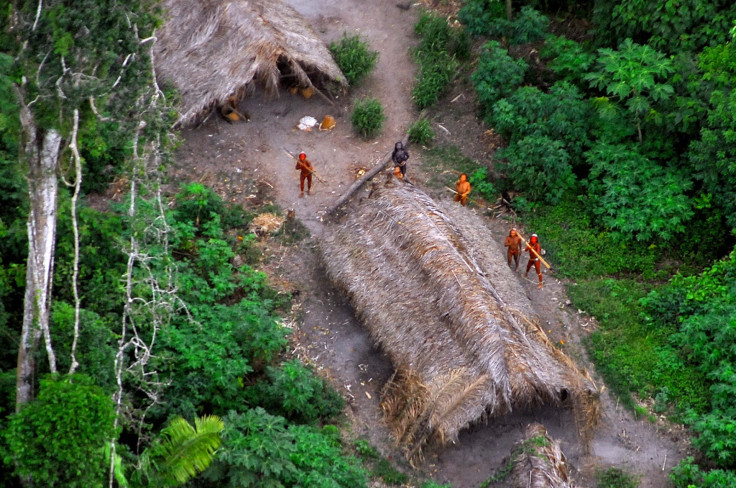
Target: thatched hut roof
421,286
539,461
212,49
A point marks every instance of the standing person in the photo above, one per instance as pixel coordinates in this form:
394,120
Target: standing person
399,157
307,169
533,244
513,242
463,189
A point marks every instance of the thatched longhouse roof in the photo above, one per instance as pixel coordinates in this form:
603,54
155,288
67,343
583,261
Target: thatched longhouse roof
459,351
539,461
212,49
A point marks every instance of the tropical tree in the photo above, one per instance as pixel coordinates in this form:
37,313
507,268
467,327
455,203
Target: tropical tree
58,439
73,61
636,77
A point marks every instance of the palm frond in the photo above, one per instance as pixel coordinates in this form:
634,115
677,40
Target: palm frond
183,450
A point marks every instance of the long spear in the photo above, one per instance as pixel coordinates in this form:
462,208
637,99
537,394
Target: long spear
311,171
471,199
534,251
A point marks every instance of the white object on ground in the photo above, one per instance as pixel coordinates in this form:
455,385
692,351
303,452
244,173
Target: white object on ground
307,122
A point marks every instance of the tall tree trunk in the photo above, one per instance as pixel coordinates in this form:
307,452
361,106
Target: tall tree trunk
42,191
508,9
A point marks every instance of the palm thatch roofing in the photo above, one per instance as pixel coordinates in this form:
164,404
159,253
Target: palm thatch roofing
421,278
539,462
213,49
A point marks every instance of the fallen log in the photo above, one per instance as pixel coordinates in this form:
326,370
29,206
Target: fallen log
363,179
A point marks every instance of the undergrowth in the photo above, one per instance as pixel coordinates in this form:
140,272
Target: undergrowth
437,55
379,466
445,164
616,478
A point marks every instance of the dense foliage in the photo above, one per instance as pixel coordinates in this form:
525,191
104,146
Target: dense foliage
700,313
185,333
437,55
219,353
264,450
618,127
621,144
57,440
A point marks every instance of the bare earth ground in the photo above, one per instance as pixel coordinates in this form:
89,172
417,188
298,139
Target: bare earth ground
246,163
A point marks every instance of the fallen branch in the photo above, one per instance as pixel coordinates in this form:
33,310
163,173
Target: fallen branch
363,179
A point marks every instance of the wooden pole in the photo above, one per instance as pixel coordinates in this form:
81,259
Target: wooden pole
535,252
361,181
310,171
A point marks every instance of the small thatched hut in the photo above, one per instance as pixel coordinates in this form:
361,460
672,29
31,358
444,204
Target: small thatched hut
539,461
213,49
422,288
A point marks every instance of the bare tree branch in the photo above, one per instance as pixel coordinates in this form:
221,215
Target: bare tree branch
75,227
144,315
38,15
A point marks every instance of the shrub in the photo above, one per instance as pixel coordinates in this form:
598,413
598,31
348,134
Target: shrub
420,132
367,117
568,59
635,197
434,32
196,203
562,115
295,392
688,474
477,15
528,25
539,166
382,468
353,57
497,76
436,57
704,308
616,478
482,17
365,450
638,78
715,431
260,449
58,439
479,181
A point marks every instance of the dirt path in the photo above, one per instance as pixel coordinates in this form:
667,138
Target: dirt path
227,157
